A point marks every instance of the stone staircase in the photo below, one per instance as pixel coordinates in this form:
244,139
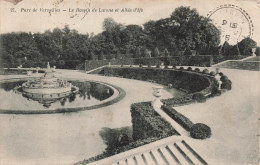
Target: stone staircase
178,152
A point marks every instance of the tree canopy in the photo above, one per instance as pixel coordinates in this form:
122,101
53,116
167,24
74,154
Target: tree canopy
184,30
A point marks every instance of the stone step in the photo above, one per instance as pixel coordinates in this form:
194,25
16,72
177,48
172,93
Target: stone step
189,154
122,162
148,158
158,157
178,155
144,159
182,153
139,160
153,157
168,155
131,161
194,153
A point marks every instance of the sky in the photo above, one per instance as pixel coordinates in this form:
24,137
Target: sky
87,16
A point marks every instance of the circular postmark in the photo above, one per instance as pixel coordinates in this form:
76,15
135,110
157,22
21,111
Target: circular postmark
234,23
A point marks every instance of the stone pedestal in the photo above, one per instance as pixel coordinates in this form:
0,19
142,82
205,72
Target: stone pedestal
253,52
157,93
217,70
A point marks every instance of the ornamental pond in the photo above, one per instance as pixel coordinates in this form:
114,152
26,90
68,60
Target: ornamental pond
89,94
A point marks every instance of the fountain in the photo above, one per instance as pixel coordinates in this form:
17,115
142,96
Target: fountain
47,89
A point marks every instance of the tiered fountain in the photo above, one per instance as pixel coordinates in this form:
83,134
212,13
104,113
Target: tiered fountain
48,88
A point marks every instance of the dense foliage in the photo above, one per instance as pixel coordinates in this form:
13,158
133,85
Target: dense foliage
242,48
200,131
183,31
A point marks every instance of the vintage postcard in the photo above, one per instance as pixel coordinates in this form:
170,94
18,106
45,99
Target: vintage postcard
129,82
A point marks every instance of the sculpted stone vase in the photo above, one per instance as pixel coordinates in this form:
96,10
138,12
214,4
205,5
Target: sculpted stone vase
157,93
253,52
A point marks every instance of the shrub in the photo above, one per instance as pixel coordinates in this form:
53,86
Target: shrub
221,74
215,92
212,73
174,67
229,81
197,70
226,85
123,139
122,65
189,69
140,65
199,97
200,131
181,68
223,78
149,65
205,71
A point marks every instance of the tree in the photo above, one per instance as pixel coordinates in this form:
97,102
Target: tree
109,24
92,56
101,56
118,55
156,52
257,52
138,53
234,51
184,29
225,50
166,53
146,53
245,46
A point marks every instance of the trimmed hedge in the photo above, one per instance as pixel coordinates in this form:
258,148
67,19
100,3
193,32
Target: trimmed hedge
189,81
205,71
223,78
212,73
147,123
205,60
179,118
200,131
226,85
189,69
197,70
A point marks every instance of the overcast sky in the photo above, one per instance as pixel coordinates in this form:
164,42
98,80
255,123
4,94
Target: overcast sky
92,22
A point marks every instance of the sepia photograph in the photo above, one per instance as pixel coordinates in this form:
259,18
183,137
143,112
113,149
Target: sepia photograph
129,82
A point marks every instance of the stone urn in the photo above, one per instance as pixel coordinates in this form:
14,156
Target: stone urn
157,93
193,52
253,52
217,70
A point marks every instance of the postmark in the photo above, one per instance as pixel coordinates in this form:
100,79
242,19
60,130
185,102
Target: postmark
234,23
